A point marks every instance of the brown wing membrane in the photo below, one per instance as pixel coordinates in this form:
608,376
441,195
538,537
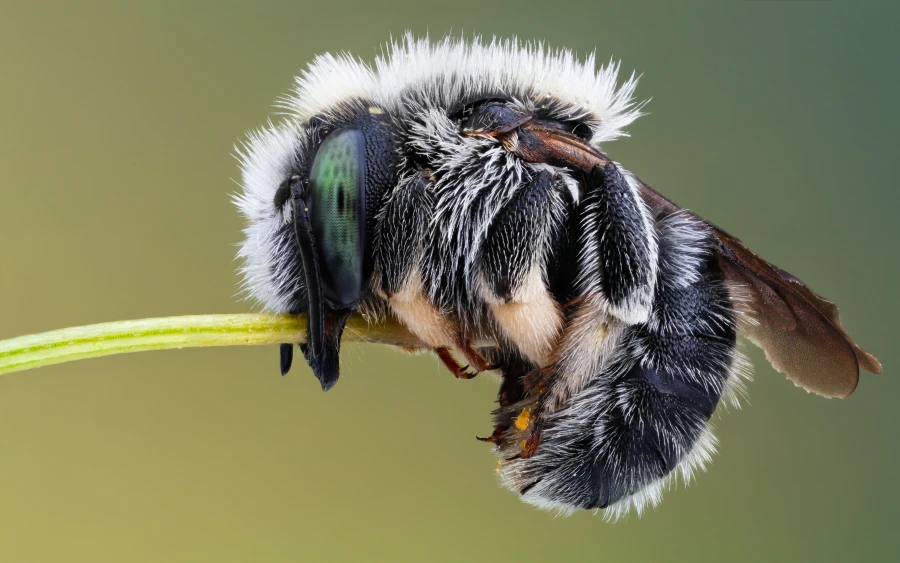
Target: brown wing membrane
799,330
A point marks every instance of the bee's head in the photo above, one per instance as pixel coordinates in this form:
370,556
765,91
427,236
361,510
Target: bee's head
337,162
308,246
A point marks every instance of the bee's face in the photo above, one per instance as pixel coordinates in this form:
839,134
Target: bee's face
460,189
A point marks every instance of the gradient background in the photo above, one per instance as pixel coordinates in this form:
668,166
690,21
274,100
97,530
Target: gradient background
776,120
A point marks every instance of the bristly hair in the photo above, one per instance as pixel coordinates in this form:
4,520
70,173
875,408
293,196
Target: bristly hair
457,186
411,72
455,69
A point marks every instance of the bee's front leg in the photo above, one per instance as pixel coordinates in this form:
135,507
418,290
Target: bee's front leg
402,226
458,369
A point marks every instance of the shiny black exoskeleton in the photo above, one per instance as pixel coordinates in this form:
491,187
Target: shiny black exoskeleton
333,216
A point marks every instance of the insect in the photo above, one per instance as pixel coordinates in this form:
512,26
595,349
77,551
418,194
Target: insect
459,187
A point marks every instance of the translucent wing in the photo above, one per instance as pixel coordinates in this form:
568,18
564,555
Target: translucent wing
799,330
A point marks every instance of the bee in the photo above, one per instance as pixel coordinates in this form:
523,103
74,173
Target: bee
459,187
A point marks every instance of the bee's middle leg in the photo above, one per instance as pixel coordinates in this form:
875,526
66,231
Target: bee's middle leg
513,277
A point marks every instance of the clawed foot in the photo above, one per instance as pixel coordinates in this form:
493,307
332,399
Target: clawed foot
496,438
476,363
529,446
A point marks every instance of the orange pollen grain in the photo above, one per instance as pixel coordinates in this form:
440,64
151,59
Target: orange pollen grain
524,419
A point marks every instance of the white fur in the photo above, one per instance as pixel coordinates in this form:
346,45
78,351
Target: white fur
266,159
502,65
444,72
638,305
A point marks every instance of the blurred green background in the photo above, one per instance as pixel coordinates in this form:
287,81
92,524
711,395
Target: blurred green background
776,120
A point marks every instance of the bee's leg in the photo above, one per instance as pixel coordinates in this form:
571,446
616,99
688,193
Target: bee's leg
477,362
402,226
513,267
619,259
445,355
646,412
618,265
514,387
398,239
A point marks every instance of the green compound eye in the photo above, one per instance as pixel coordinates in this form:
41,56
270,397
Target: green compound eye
336,202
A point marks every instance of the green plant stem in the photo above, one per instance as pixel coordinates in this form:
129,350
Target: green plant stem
93,341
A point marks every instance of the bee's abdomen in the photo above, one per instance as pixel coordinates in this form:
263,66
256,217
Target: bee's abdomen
660,407
645,411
